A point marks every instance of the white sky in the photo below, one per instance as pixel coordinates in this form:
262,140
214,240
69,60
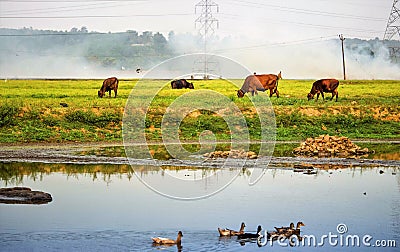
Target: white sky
297,37
265,20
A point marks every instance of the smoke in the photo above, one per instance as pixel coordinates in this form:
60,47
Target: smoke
303,59
316,59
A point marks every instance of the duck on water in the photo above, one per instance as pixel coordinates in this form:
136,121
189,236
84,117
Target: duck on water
230,232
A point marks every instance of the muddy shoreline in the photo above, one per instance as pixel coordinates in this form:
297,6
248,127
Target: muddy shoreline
67,153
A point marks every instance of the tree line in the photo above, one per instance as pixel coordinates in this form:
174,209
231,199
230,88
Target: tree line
125,50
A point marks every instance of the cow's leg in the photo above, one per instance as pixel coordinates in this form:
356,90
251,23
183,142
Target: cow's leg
335,93
322,94
271,93
115,91
109,93
317,96
277,93
255,91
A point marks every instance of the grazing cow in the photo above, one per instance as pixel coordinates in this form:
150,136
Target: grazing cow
108,85
270,81
251,84
324,85
261,82
182,83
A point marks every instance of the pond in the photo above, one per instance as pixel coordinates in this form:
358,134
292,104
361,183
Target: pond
99,207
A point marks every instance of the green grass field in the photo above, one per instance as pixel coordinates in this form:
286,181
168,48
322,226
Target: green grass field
30,110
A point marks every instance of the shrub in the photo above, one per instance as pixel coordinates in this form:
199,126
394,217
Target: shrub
7,114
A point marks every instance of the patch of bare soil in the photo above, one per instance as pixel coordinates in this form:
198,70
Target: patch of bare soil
380,112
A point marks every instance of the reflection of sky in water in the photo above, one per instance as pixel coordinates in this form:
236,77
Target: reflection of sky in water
126,208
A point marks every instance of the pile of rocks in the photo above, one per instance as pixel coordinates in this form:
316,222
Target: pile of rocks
231,154
326,145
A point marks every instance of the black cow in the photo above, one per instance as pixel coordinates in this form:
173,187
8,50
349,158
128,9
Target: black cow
182,83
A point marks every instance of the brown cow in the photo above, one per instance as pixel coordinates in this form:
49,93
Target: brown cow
324,85
251,84
108,85
262,82
270,81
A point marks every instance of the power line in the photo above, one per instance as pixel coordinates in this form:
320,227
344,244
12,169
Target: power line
96,16
59,9
286,43
234,16
68,1
305,11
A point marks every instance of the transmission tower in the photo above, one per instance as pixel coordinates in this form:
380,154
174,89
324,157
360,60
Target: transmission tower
392,31
206,24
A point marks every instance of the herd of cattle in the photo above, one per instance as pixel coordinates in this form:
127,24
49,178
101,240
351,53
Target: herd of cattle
252,84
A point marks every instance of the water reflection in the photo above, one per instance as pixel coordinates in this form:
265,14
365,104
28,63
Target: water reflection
382,151
14,173
90,213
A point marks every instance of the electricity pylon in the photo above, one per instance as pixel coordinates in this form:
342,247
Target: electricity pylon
392,31
206,24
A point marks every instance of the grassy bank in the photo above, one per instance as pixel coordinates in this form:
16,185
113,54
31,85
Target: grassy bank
30,111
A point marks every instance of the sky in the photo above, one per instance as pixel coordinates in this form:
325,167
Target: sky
297,37
275,20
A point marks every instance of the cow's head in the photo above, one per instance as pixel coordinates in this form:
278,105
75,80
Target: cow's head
240,93
279,75
310,96
191,85
100,94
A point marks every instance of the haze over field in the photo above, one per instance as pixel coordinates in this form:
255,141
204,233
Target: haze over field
299,38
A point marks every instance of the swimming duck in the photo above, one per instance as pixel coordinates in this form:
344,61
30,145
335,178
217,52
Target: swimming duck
166,241
291,228
229,232
251,235
297,230
274,235
283,229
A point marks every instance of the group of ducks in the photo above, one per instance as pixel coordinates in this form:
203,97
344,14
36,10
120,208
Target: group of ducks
279,232
284,232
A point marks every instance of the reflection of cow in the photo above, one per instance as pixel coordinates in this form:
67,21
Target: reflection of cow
324,85
108,85
182,83
260,82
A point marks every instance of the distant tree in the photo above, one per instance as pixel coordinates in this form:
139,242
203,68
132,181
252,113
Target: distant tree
83,29
159,42
171,35
146,37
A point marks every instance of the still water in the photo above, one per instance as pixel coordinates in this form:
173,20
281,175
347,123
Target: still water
107,208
